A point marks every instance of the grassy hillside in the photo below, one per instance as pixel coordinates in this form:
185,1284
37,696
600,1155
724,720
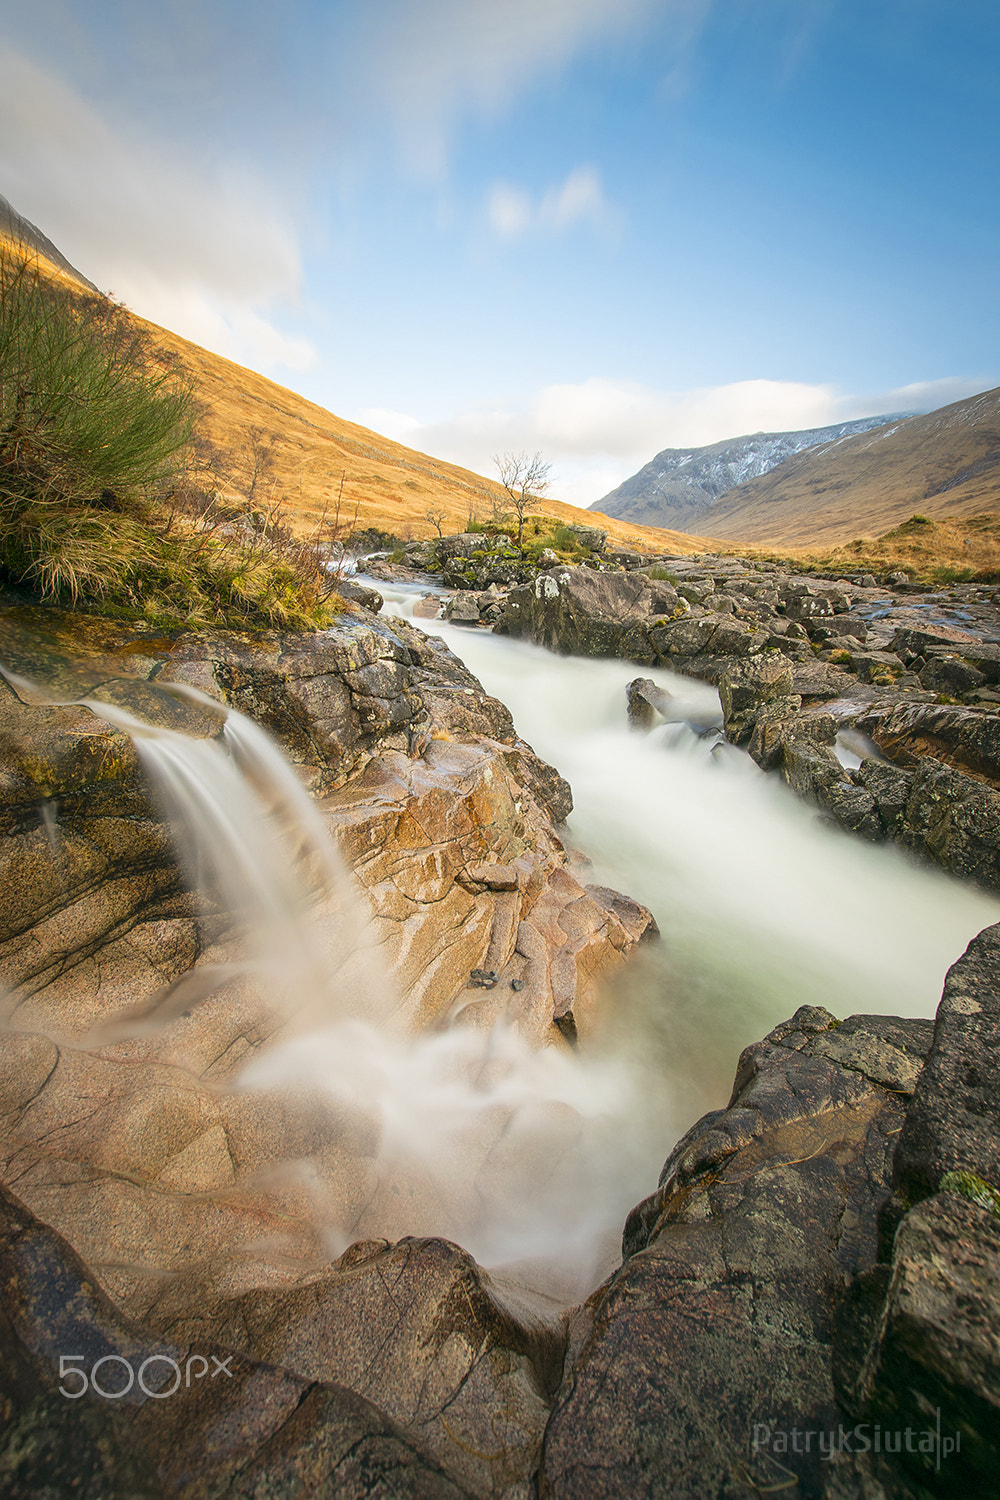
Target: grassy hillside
943,465
263,446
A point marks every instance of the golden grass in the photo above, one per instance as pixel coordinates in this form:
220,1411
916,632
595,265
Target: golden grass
963,550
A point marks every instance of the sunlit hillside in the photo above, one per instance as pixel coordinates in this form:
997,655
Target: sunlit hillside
262,444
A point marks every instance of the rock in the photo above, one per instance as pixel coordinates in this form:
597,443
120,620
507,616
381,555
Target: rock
578,611
759,680
779,723
590,537
952,1123
708,635
646,702
193,1420
814,772
880,667
420,1331
965,738
357,593
932,1371
462,609
890,787
721,1317
947,672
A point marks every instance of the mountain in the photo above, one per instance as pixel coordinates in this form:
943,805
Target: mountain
19,231
677,487
261,442
943,465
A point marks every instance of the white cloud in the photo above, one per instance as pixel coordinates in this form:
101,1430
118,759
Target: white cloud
600,431
197,244
512,211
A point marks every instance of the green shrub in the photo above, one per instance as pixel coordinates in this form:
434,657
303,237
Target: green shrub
89,434
661,574
94,508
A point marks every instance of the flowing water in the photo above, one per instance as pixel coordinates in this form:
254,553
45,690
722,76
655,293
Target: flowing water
761,906
531,1158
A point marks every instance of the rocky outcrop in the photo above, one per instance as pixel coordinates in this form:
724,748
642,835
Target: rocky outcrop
922,1340
714,1339
761,1334
95,1404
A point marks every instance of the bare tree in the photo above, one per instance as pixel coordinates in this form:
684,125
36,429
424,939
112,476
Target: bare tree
437,519
257,457
525,479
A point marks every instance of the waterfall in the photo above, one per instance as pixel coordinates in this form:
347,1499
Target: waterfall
529,1158
248,833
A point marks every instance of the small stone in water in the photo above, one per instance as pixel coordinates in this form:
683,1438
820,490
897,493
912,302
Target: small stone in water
517,984
483,979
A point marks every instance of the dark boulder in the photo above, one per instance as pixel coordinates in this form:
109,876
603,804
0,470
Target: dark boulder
716,1334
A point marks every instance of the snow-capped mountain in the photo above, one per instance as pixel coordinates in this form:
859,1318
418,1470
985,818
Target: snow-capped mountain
676,487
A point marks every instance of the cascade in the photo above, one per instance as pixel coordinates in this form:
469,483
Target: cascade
761,906
528,1157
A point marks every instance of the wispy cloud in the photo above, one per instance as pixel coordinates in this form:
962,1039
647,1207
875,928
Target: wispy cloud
513,212
435,61
202,246
598,432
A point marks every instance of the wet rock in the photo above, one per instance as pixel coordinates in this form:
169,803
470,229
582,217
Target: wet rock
932,1371
890,786
966,738
814,772
421,1331
722,1316
646,702
195,1421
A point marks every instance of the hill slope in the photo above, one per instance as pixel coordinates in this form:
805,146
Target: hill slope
262,444
677,486
943,465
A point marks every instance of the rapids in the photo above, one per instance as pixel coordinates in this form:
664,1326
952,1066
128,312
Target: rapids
761,906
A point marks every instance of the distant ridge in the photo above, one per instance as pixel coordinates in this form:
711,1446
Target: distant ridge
943,465
678,486
21,231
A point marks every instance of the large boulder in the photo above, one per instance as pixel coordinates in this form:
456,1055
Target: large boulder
713,1342
580,612
94,1404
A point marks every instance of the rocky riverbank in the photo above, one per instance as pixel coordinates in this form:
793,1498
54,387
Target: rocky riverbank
905,679
820,1258
809,1302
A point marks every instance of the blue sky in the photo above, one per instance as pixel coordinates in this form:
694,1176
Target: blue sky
591,227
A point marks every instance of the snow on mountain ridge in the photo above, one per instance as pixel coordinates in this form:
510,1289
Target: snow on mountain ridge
676,486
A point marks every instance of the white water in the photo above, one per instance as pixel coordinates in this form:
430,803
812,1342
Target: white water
761,906
531,1159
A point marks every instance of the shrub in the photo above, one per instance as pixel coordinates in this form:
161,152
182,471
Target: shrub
94,438
88,434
